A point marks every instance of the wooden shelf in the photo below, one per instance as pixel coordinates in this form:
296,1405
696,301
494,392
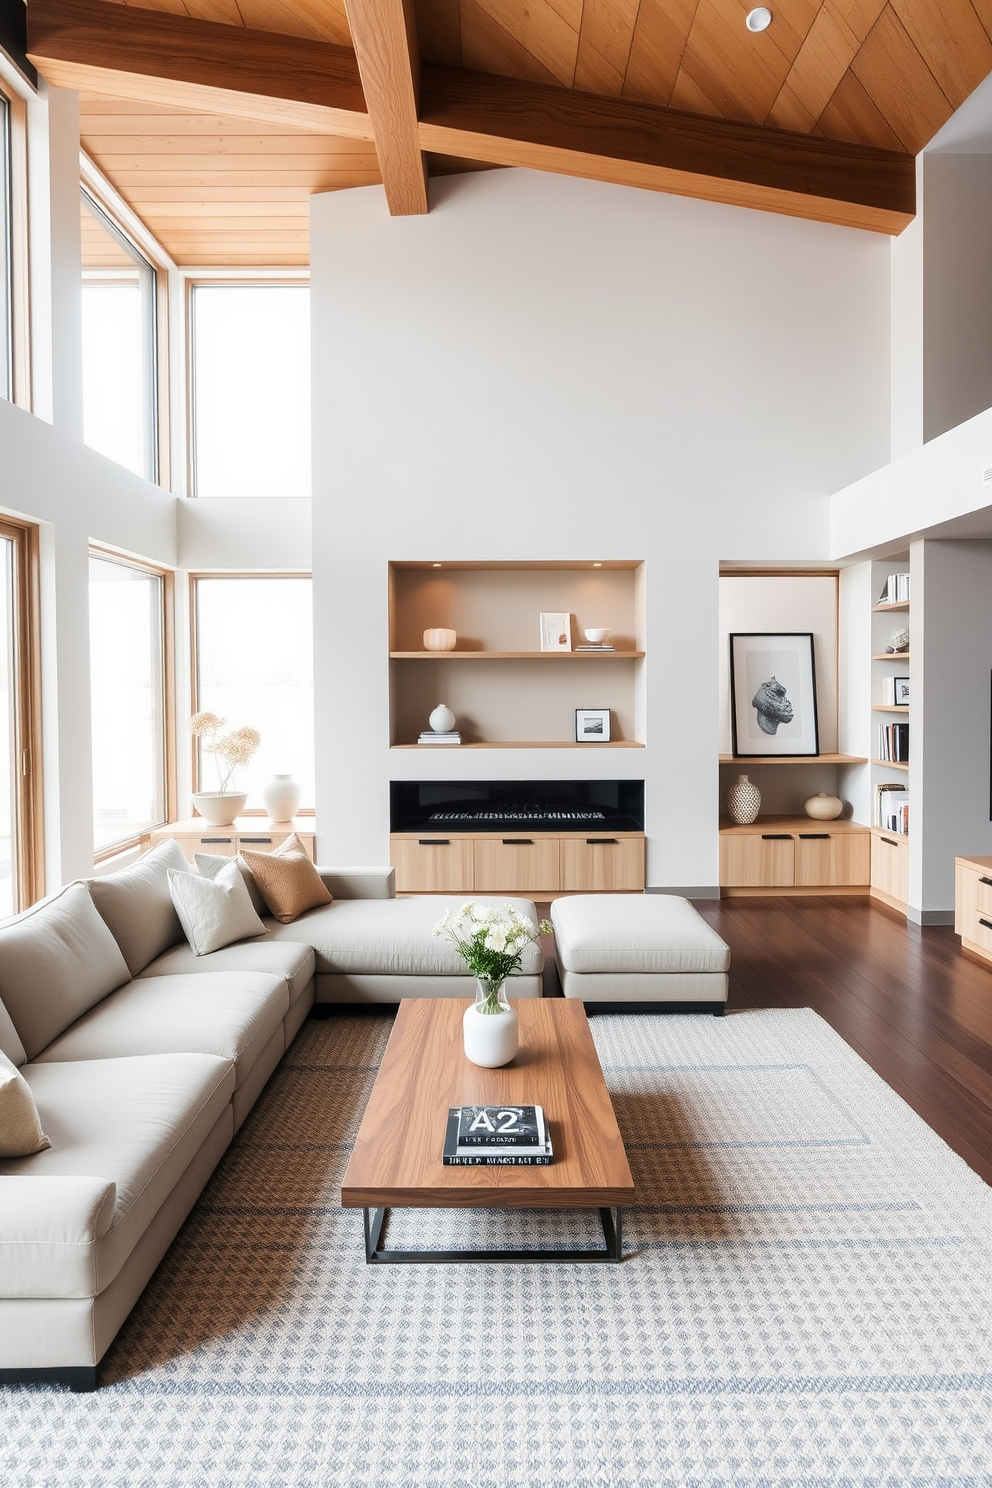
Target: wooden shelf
793,759
891,656
884,609
510,655
790,824
890,707
892,764
533,744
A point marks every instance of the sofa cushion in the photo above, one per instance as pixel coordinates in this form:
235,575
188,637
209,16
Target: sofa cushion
287,880
20,1128
125,1130
635,933
230,1014
56,960
208,865
292,960
10,1043
214,912
391,937
137,905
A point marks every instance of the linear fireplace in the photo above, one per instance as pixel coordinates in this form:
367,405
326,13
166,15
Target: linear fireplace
498,805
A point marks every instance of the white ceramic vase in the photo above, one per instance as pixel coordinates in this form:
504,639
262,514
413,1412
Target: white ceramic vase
280,797
491,1038
743,801
823,807
220,808
442,720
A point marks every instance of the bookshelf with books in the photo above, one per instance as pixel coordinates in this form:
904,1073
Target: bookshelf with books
891,752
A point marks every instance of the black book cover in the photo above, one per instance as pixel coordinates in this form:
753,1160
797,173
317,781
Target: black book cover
454,1155
500,1126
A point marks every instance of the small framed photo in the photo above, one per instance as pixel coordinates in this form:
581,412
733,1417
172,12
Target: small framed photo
592,725
556,630
901,685
773,694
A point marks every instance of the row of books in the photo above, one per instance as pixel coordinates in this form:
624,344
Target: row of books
893,742
496,1136
895,590
891,807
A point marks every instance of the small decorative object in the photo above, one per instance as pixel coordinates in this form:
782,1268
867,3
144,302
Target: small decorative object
596,635
442,720
280,797
901,685
592,725
220,807
491,941
898,641
823,807
556,630
743,801
439,640
773,694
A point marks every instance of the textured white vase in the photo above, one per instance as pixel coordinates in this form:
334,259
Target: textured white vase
439,640
280,797
823,807
220,808
491,1039
442,720
743,801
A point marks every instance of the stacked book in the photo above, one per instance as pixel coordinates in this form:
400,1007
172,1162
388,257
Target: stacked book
895,590
601,647
430,737
891,807
496,1136
893,742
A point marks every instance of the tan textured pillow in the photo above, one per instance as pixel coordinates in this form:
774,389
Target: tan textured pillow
287,880
20,1127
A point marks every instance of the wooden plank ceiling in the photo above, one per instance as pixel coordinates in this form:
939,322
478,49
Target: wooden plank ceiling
880,76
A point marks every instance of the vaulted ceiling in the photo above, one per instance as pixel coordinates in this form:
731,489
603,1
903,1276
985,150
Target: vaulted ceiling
216,119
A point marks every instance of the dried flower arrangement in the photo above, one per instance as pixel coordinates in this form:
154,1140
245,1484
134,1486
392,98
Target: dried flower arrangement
229,750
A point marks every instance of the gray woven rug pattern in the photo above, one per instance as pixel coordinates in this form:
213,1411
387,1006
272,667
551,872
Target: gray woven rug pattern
805,1303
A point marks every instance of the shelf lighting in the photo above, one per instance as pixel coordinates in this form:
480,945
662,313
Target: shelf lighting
597,565
435,565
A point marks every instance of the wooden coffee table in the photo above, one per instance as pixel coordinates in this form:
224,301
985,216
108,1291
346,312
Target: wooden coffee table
396,1162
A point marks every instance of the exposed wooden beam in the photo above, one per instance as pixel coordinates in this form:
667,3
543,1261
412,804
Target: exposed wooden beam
508,122
122,52
388,52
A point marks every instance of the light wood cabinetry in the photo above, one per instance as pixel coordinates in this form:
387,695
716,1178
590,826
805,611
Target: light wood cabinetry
973,905
257,835
890,868
794,855
537,866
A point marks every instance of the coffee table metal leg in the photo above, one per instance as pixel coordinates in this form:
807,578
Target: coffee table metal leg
375,1219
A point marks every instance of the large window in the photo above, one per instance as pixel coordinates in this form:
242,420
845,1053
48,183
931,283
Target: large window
253,666
20,757
119,383
6,253
250,373
127,699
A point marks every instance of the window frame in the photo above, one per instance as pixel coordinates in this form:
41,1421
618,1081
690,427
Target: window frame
15,227
167,621
193,659
26,692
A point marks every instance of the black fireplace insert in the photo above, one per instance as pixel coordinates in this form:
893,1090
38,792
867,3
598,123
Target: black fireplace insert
496,805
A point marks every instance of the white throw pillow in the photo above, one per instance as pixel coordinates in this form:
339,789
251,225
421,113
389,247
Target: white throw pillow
20,1126
214,912
210,864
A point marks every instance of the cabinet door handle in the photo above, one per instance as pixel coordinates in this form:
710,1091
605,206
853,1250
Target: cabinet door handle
254,839
216,839
986,923
776,836
814,836
518,842
986,881
433,842
888,842
601,842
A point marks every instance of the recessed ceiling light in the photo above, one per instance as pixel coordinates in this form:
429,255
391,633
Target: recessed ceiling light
435,565
597,565
759,19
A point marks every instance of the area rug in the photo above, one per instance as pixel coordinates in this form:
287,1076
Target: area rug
805,1302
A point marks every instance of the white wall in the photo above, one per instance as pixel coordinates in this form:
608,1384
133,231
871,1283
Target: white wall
549,368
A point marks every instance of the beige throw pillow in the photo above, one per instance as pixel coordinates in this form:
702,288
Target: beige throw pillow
137,905
214,912
20,1126
287,880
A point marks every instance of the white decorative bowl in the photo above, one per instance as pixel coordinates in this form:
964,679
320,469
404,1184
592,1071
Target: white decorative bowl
439,640
596,636
220,808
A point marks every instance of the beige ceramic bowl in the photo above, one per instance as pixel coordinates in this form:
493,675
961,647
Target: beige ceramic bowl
439,640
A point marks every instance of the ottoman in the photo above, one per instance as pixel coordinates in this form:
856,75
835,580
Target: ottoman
623,951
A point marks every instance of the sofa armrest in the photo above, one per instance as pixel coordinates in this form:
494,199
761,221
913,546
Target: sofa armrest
49,1227
360,883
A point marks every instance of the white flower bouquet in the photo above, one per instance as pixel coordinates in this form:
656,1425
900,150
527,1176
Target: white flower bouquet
491,941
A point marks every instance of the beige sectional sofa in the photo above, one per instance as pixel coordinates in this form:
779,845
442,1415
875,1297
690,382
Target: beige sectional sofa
144,1059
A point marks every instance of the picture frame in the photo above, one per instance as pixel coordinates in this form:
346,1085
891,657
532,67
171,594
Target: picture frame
556,630
901,687
773,694
593,725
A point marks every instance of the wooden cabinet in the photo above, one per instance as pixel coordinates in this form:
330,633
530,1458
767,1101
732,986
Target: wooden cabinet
537,866
794,855
890,868
195,836
973,905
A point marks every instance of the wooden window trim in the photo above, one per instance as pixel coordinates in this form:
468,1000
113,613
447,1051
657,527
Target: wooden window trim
169,752
20,312
28,801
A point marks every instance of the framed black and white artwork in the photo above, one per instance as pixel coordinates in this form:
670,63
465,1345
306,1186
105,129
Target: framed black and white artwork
592,725
900,687
773,694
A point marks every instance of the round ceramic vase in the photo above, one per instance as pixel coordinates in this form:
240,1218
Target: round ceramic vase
280,797
743,801
493,1038
220,808
442,720
823,807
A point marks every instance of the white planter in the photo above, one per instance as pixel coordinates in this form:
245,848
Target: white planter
219,808
280,797
491,1039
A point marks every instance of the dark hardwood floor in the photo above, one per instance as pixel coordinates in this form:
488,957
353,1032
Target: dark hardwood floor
907,999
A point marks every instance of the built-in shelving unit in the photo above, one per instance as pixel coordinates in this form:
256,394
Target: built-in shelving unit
889,849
